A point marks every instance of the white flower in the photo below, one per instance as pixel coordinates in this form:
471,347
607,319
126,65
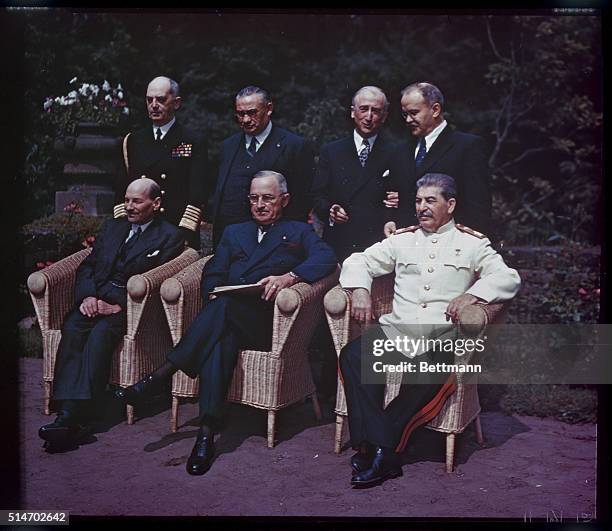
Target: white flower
108,98
83,89
72,80
95,89
126,110
73,94
106,86
48,103
120,95
119,87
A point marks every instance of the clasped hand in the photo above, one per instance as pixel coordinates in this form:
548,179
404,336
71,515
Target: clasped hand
91,307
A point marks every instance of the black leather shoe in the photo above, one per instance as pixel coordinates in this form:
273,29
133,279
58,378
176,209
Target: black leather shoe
148,387
63,431
386,465
202,455
362,460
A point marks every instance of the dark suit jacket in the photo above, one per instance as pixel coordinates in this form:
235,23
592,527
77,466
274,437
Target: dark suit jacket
287,246
291,155
460,155
341,179
180,172
158,244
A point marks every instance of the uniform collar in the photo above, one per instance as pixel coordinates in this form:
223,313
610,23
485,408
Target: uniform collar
447,227
164,128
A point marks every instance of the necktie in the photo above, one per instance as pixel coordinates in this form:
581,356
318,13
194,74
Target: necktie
127,246
158,134
421,152
365,151
262,232
252,147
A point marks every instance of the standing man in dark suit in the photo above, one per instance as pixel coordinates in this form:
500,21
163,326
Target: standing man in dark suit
435,147
260,146
174,156
352,182
267,250
93,329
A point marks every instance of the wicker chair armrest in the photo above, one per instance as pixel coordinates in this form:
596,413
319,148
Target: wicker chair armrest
303,300
181,298
52,290
144,287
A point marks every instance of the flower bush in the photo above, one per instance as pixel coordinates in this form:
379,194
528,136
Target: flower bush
86,102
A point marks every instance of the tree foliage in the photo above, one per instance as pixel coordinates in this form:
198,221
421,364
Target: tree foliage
530,85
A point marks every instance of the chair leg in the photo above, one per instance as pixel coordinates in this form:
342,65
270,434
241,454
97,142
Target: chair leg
338,437
174,414
478,428
130,414
450,452
271,422
47,399
316,406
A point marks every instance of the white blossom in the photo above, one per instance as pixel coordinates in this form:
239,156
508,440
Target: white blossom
120,95
95,89
126,110
108,98
106,86
48,103
119,87
73,80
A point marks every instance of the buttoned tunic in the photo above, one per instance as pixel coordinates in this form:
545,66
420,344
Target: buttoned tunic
431,269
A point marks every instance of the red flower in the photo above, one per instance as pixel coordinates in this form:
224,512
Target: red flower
582,291
88,241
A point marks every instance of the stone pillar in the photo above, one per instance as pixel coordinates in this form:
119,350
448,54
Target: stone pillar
91,160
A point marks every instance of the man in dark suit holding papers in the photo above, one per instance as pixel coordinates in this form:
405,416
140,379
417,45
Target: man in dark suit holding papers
268,250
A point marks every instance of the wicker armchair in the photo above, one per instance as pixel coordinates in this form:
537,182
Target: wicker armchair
461,408
266,380
147,338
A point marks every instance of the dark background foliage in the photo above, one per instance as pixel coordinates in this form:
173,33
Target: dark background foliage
530,85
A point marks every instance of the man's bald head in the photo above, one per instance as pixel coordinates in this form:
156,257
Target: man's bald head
142,200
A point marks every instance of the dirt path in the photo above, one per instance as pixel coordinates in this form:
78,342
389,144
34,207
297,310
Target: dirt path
529,467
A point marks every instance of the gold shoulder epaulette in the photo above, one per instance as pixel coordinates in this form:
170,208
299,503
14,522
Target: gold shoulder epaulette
472,232
412,228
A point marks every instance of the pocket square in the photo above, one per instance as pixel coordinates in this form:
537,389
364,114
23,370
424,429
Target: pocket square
386,173
154,253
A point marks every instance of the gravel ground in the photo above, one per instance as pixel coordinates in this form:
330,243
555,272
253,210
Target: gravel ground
528,468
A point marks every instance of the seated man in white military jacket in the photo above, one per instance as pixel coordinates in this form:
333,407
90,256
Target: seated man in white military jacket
440,267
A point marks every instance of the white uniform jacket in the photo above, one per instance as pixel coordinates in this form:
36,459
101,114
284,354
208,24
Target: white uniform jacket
431,269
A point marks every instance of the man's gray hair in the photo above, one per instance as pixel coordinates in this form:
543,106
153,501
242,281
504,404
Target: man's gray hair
431,94
280,179
175,90
444,182
373,90
250,90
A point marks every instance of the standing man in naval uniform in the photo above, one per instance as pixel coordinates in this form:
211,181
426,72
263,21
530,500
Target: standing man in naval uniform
440,267
174,156
260,145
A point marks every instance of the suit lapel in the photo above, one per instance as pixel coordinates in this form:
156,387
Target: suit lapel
147,238
233,145
366,173
273,238
271,149
247,239
442,144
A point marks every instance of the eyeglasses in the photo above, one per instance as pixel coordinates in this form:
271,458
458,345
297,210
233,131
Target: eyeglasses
250,113
267,199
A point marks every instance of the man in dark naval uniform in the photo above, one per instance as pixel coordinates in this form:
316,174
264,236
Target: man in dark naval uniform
173,156
260,146
95,326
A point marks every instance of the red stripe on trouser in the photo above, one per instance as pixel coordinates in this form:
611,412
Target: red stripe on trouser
428,412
